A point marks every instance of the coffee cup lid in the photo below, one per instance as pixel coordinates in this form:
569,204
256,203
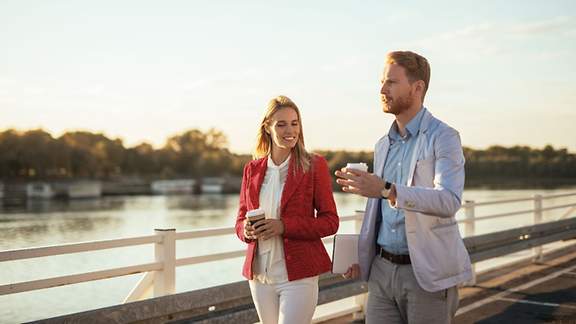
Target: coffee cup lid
357,166
254,212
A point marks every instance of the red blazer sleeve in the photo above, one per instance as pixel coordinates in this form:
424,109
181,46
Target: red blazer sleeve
326,221
242,207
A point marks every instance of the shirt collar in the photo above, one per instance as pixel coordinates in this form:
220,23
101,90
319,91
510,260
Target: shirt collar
412,127
282,165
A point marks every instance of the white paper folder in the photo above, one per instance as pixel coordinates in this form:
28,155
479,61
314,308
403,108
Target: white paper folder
344,252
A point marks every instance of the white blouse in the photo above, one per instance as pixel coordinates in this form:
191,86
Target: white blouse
269,263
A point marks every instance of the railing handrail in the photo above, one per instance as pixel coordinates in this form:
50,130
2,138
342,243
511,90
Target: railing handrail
506,201
77,278
51,250
520,212
566,194
469,203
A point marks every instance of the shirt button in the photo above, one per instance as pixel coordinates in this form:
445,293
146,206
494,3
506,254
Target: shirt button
399,163
393,231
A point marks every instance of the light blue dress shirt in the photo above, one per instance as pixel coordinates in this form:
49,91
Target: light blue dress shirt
392,233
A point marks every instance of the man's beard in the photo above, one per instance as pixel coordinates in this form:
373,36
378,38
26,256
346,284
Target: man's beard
398,105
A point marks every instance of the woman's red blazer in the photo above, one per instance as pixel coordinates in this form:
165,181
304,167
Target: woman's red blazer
307,210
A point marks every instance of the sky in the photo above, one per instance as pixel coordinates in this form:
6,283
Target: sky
503,72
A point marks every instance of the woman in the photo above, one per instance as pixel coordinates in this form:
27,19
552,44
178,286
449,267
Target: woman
285,253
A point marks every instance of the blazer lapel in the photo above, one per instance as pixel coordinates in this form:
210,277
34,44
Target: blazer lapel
292,181
380,157
256,181
414,157
420,140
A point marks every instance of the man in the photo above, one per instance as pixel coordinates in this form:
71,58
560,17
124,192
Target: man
410,250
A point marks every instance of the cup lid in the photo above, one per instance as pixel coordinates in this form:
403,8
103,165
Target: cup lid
255,212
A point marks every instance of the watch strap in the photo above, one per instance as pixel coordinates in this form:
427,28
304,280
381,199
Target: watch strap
386,191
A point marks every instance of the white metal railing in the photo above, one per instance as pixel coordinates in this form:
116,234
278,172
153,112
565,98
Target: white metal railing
470,216
159,276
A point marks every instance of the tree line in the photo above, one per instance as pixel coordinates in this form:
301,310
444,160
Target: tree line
36,154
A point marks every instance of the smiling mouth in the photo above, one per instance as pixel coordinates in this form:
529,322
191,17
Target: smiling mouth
289,138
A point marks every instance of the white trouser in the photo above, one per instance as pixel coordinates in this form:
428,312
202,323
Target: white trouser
285,303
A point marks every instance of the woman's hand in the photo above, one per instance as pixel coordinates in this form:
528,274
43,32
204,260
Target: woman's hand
353,272
268,228
248,230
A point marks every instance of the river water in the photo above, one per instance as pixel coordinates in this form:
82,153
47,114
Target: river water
44,223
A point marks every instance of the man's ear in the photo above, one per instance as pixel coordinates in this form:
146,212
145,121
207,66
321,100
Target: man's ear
420,86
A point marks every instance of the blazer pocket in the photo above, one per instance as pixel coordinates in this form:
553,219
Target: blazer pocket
448,251
424,172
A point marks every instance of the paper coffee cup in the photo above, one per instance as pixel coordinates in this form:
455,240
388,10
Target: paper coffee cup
255,215
358,166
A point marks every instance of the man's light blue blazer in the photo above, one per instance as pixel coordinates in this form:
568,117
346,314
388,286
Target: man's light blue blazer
430,199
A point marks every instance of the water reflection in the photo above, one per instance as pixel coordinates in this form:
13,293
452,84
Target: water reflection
58,205
24,231
201,219
176,202
198,202
86,224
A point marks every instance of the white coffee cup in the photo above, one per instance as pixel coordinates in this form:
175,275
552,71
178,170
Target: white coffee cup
255,215
357,166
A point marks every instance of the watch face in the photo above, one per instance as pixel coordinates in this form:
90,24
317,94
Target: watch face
387,185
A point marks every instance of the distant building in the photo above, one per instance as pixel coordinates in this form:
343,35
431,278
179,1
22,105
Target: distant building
85,189
78,189
126,186
39,190
212,185
176,186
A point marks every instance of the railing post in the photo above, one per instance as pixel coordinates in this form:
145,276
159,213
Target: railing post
165,252
470,230
537,251
359,300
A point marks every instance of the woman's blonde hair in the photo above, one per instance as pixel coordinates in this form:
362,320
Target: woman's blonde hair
264,139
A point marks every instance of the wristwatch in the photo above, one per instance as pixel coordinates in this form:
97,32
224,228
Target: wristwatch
386,191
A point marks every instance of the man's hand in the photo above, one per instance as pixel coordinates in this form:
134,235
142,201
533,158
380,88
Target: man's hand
353,272
360,182
268,228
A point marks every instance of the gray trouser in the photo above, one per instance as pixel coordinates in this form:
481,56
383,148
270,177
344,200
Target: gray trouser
394,296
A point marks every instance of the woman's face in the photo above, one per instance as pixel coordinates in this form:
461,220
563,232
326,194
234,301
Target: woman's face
284,128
